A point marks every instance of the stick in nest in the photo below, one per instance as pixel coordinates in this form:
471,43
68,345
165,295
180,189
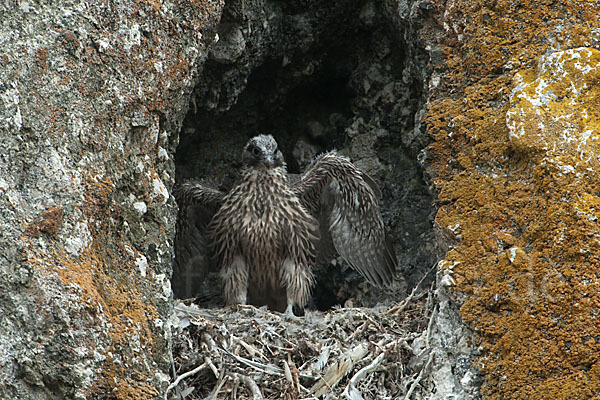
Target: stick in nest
400,307
351,392
337,371
183,376
216,389
419,377
250,384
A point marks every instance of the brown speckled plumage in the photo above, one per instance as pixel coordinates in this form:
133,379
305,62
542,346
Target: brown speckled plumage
266,233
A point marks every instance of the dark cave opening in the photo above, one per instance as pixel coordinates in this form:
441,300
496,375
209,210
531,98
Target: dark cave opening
318,78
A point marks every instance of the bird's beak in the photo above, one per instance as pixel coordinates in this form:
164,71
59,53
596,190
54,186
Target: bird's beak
269,161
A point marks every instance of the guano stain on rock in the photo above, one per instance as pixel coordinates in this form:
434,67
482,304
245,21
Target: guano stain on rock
522,200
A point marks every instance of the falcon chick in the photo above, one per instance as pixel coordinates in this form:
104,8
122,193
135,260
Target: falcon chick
268,231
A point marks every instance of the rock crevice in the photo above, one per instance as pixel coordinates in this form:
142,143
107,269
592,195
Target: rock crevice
320,76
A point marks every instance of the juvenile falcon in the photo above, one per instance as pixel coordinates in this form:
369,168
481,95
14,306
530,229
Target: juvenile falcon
269,230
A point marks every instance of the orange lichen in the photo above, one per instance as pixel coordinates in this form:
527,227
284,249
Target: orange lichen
41,59
106,281
524,214
48,221
116,298
552,107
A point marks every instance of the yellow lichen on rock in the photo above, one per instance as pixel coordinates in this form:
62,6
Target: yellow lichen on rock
554,108
515,126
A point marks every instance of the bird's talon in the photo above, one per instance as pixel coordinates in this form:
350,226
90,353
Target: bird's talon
289,312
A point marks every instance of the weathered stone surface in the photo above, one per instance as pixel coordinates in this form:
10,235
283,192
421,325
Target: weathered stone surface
514,117
553,108
92,96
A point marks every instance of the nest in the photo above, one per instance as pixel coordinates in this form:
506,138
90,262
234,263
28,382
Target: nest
244,352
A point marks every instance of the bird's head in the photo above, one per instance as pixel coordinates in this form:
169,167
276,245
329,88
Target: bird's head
263,151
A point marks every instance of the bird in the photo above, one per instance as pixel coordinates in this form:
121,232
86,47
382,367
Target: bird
271,228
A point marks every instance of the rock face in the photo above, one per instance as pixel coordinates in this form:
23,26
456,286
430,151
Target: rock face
514,117
92,96
487,110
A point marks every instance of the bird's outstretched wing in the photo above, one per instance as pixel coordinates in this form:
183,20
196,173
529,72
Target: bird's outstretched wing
345,201
198,201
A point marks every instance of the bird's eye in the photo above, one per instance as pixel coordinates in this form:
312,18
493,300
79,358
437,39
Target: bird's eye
255,151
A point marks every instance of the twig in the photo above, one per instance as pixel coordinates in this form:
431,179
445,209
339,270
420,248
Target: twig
214,369
360,375
430,326
265,368
171,359
337,371
400,307
359,331
397,309
183,376
250,384
249,348
234,389
295,373
419,377
216,389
